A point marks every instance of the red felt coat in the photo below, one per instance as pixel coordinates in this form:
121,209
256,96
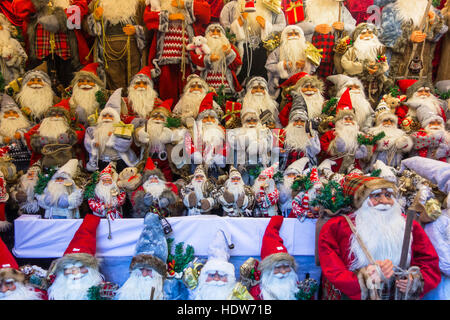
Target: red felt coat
325,141
333,250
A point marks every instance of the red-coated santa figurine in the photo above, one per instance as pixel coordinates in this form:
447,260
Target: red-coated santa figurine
349,271
13,284
301,207
279,280
175,23
266,193
108,198
433,141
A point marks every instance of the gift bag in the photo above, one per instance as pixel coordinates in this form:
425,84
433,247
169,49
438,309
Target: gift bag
56,155
124,131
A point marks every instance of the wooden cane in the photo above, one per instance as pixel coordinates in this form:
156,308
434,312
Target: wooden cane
152,294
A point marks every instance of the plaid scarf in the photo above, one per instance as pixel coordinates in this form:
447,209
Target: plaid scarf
43,47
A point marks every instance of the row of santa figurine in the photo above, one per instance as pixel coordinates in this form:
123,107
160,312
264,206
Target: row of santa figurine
375,218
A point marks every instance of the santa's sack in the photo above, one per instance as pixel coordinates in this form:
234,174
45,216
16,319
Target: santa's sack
56,155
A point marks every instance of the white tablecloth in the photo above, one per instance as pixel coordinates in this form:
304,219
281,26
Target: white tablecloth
42,238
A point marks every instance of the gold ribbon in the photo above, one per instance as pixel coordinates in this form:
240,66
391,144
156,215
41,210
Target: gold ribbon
313,54
294,5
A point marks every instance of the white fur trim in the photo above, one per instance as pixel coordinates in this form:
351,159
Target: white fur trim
236,28
283,73
220,265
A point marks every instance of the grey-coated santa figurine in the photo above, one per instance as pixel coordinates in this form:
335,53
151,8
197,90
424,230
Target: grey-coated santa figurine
23,194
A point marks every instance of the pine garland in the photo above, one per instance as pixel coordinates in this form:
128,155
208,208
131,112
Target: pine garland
369,140
436,3
254,172
94,293
328,108
376,173
101,99
43,179
278,177
221,97
89,191
394,91
302,183
181,258
443,95
331,197
173,122
307,289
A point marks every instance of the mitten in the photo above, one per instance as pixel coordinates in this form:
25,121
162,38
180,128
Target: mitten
148,199
442,151
21,196
63,138
361,152
240,200
163,203
340,144
63,202
205,204
192,199
228,196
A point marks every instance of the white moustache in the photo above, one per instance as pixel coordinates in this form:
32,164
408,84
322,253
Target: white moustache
366,38
293,38
382,207
141,89
258,94
86,87
310,93
36,86
216,283
106,120
56,119
196,92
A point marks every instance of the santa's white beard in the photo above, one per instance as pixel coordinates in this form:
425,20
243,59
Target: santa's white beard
257,186
414,10
292,50
10,125
382,233
287,185
138,287
142,101
155,189
296,138
275,288
101,134
235,188
85,98
211,134
190,102
349,133
198,188
360,104
67,288
27,186
103,192
367,49
259,101
215,44
5,36
56,190
37,100
61,3
322,11
52,127
431,102
314,103
391,133
213,290
116,11
255,28
22,292
157,136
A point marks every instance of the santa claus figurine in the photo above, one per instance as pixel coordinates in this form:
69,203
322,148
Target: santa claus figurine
365,59
55,129
175,24
217,277
148,268
433,141
220,66
86,85
188,106
266,193
76,273
363,110
301,204
326,22
341,143
294,170
121,37
206,142
291,57
108,198
12,55
101,142
410,34
199,195
36,95
296,143
395,144
251,29
278,280
155,194
142,97
23,192
257,97
53,35
302,88
359,252
61,197
237,198
13,284
13,126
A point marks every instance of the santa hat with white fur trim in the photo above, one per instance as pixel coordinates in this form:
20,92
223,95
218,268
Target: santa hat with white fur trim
297,166
219,254
269,172
114,104
9,269
68,170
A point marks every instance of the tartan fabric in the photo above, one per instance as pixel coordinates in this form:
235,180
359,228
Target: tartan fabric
353,182
329,291
42,44
326,43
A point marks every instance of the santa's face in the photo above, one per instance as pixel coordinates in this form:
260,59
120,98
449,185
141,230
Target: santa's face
251,121
154,186
196,88
139,285
388,123
107,118
309,89
219,277
348,121
158,118
235,180
141,85
214,285
423,92
366,35
382,199
435,126
7,285
13,290
35,83
199,178
11,121
280,282
85,84
258,90
354,88
299,123
75,271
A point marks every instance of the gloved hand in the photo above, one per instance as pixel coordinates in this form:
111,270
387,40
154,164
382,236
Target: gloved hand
192,199
361,152
240,200
205,204
148,199
443,151
340,144
63,201
163,203
228,196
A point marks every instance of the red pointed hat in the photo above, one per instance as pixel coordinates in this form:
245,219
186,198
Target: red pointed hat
146,71
345,102
206,106
149,165
273,249
404,84
91,67
6,258
151,169
85,238
293,79
107,171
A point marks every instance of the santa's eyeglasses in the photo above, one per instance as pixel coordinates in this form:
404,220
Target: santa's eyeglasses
235,179
379,195
219,275
8,283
